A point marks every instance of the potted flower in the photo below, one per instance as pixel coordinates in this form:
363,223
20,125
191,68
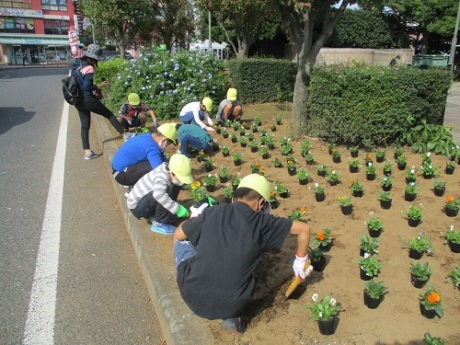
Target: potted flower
414,215
233,138
410,192
242,131
255,167
420,245
419,274
451,206
373,293
253,145
380,156
354,150
298,214
357,189
401,161
227,191
228,123
273,201
245,125
237,158
198,193
258,121
236,181
370,171
218,129
431,303
264,152
411,175
235,126
279,120
286,149
319,192
243,141
430,340
369,266
429,171
325,312
284,141
368,245
270,141
302,175
250,136
263,132
224,133
224,174
387,168
331,148
281,190
452,239
318,261
277,163
386,183
345,205
353,165
201,157
398,151
450,167
335,155
368,159
323,240
321,169
309,158
305,146
225,151
273,127
439,187
454,275
291,165
385,200
208,164
255,127
333,177
209,182
374,226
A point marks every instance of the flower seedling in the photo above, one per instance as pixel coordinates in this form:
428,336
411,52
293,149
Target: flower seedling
454,276
452,203
430,340
421,244
302,174
198,191
298,214
227,191
386,181
374,223
452,236
431,299
323,309
375,289
369,264
323,239
383,196
420,271
369,245
414,212
277,163
318,189
225,150
333,177
224,171
210,180
237,156
356,186
344,200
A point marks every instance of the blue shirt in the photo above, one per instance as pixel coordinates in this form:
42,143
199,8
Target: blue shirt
138,149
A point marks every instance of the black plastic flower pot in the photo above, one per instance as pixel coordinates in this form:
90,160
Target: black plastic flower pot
210,188
370,177
325,248
380,159
454,247
346,210
321,173
415,254
410,180
354,154
254,148
237,162
209,168
327,327
413,222
274,204
284,195
409,196
363,275
319,265
402,166
336,159
439,191
354,170
292,171
387,188
374,233
417,283
385,204
428,313
320,197
303,181
358,193
449,171
451,212
370,302
225,154
265,156
223,179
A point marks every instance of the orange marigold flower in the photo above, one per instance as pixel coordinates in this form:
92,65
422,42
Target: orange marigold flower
352,182
272,194
368,156
303,210
201,153
433,297
320,236
334,150
257,164
449,198
261,171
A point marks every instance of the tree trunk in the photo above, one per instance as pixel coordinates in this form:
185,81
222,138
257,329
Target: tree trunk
243,48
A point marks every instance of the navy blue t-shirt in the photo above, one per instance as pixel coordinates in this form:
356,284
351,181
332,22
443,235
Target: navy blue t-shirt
218,282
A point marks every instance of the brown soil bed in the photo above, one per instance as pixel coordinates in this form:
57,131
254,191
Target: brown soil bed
274,321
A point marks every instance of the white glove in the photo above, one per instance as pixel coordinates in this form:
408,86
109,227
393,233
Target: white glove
299,267
195,212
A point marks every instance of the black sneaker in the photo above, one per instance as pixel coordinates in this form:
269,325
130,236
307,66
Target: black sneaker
234,325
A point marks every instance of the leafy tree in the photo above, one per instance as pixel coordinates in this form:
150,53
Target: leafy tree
299,19
430,19
361,29
120,19
243,21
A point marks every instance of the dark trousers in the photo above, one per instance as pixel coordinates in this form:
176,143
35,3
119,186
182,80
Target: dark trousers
148,207
133,173
92,104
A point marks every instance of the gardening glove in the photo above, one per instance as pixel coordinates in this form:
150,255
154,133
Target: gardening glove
299,267
212,201
196,211
182,212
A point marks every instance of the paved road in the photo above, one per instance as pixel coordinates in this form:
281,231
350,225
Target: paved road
79,284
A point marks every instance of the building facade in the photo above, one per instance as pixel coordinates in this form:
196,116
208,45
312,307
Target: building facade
36,31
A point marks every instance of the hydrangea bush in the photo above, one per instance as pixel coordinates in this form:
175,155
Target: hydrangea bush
166,82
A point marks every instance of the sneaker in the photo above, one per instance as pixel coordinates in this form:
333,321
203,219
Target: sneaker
234,325
91,155
162,228
128,135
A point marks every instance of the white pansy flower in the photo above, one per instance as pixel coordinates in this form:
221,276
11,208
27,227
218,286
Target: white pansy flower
333,301
451,228
367,255
314,297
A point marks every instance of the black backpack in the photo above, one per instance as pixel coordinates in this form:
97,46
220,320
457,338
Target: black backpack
73,94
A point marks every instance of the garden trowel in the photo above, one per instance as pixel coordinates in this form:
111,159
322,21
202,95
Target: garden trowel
295,282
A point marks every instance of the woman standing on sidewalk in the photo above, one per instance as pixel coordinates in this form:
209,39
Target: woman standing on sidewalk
91,95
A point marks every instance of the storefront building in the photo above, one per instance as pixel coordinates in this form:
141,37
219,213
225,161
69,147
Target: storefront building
35,31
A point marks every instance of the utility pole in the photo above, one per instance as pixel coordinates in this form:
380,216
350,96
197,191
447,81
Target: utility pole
453,45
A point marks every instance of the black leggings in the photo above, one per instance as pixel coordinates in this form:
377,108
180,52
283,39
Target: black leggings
133,173
92,104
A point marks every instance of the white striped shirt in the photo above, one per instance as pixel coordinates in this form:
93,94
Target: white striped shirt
157,182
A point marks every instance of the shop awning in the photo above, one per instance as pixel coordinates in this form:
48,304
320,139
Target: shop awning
57,40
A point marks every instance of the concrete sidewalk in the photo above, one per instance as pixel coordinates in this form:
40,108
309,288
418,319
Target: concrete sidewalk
180,326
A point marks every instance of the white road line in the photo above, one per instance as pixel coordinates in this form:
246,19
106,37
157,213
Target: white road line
39,328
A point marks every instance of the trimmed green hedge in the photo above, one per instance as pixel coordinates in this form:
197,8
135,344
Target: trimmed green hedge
263,80
372,106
